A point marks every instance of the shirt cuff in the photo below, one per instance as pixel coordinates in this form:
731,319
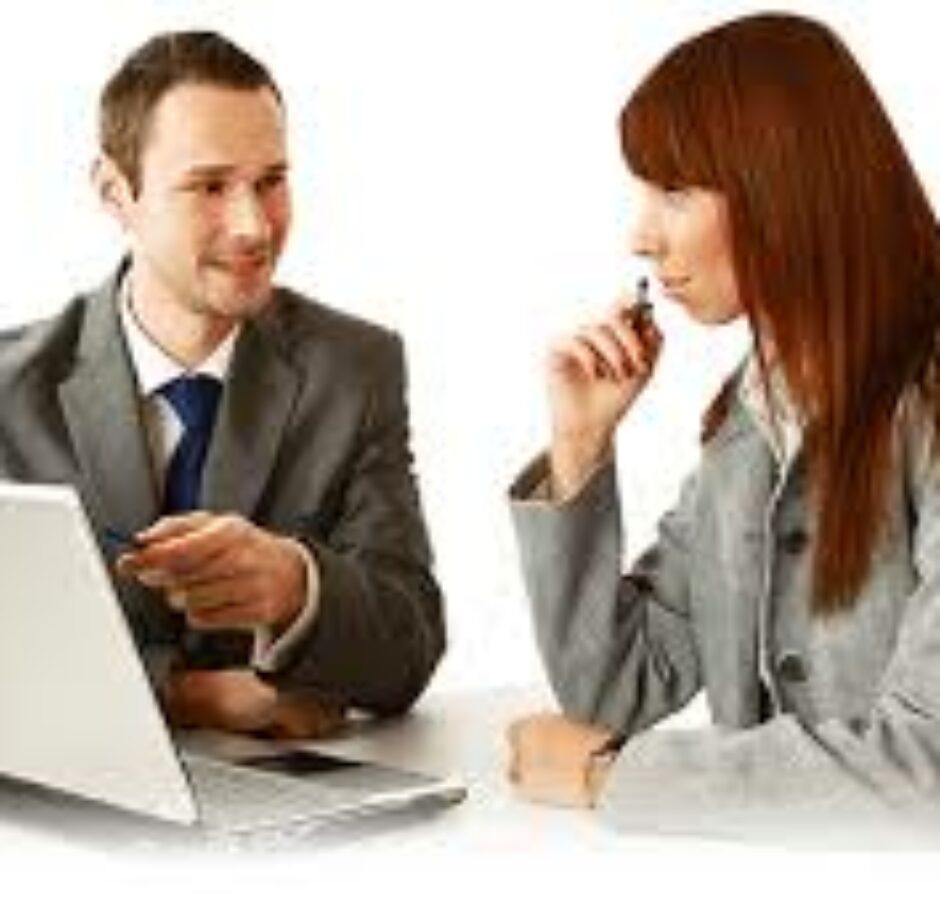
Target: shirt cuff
269,654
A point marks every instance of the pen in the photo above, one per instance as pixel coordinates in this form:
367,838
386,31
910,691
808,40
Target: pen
642,310
120,541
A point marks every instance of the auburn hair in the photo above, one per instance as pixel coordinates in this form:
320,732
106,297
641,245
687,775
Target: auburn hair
835,247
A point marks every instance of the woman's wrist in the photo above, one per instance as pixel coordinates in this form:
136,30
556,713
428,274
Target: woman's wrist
573,459
598,765
598,768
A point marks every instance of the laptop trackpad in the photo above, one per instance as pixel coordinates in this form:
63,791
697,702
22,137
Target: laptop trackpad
298,762
334,770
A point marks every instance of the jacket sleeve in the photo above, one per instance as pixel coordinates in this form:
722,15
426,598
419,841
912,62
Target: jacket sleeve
618,649
875,776
379,628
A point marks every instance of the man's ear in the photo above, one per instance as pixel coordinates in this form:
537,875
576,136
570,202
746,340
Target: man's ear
113,189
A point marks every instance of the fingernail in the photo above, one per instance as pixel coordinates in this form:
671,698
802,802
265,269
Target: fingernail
151,577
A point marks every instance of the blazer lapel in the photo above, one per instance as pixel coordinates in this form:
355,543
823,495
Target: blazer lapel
256,405
101,408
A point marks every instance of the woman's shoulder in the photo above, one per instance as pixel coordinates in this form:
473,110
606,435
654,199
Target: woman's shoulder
723,416
916,427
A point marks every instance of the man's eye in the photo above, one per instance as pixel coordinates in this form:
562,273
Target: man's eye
207,188
271,181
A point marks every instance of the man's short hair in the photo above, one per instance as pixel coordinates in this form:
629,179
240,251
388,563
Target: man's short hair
164,62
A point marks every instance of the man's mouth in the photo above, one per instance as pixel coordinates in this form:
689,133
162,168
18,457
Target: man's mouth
243,265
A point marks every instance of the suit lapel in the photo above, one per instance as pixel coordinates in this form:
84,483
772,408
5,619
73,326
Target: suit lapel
256,405
102,412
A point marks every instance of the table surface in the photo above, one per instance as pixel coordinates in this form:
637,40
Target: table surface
460,734
492,837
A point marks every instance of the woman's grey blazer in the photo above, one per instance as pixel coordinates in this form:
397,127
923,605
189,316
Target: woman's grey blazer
813,717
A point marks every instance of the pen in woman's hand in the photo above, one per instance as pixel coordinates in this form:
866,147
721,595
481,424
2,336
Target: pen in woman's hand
641,311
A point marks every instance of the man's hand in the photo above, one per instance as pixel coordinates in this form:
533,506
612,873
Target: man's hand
551,760
236,700
221,570
228,700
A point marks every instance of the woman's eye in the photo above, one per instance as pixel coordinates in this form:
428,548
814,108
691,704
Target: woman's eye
675,194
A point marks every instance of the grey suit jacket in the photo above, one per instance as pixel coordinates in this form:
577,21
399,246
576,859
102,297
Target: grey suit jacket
311,441
847,725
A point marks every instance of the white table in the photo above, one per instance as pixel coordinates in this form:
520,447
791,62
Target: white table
491,838
460,734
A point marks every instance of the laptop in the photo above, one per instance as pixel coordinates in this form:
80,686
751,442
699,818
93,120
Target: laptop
80,716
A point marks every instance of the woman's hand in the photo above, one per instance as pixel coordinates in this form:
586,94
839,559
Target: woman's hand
594,376
553,760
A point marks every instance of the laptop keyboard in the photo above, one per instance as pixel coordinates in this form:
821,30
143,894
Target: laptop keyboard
232,797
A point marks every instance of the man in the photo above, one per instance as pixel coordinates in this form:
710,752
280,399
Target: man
277,548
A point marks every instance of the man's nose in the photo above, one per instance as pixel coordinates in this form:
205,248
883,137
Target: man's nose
246,217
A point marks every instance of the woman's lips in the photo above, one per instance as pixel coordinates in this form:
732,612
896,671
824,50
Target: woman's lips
673,286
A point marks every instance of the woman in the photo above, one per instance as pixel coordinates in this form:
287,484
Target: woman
797,581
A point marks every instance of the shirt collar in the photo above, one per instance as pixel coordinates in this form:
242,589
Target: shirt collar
152,365
771,409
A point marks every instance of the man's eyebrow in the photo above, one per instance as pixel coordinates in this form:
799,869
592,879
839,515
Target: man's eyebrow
209,171
221,171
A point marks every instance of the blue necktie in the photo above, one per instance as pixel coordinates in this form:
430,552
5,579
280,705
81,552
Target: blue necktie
195,399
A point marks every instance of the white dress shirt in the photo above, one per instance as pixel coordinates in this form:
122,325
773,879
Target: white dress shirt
154,368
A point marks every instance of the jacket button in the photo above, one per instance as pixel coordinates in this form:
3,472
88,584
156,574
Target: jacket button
791,667
794,542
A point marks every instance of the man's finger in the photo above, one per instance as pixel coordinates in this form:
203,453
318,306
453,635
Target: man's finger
174,526
180,557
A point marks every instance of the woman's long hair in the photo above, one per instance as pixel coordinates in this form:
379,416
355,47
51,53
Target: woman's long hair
835,247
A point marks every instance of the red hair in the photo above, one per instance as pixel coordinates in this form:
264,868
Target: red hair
835,247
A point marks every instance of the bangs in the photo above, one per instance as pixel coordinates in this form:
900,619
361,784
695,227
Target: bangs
663,135
649,142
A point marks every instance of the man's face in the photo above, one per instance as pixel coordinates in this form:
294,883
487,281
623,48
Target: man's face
212,211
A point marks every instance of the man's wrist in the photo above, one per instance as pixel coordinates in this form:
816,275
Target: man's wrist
298,594
274,649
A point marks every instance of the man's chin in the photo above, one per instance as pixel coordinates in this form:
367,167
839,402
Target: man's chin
242,301
250,305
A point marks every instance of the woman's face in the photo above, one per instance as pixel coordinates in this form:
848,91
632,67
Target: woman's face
685,233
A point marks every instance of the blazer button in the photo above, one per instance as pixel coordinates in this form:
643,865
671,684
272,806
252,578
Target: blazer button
794,542
791,667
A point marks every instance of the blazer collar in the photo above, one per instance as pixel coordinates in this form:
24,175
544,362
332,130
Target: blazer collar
259,397
101,409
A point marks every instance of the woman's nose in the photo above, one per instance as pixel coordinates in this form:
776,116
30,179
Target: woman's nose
646,238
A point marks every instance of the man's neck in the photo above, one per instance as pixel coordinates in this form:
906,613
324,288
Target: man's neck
187,336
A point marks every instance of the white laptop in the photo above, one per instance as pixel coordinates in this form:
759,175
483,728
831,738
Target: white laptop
79,714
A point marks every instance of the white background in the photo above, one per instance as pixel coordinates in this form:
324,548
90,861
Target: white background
456,176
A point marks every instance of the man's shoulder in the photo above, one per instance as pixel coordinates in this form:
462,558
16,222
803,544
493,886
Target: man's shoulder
42,348
308,328
316,319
